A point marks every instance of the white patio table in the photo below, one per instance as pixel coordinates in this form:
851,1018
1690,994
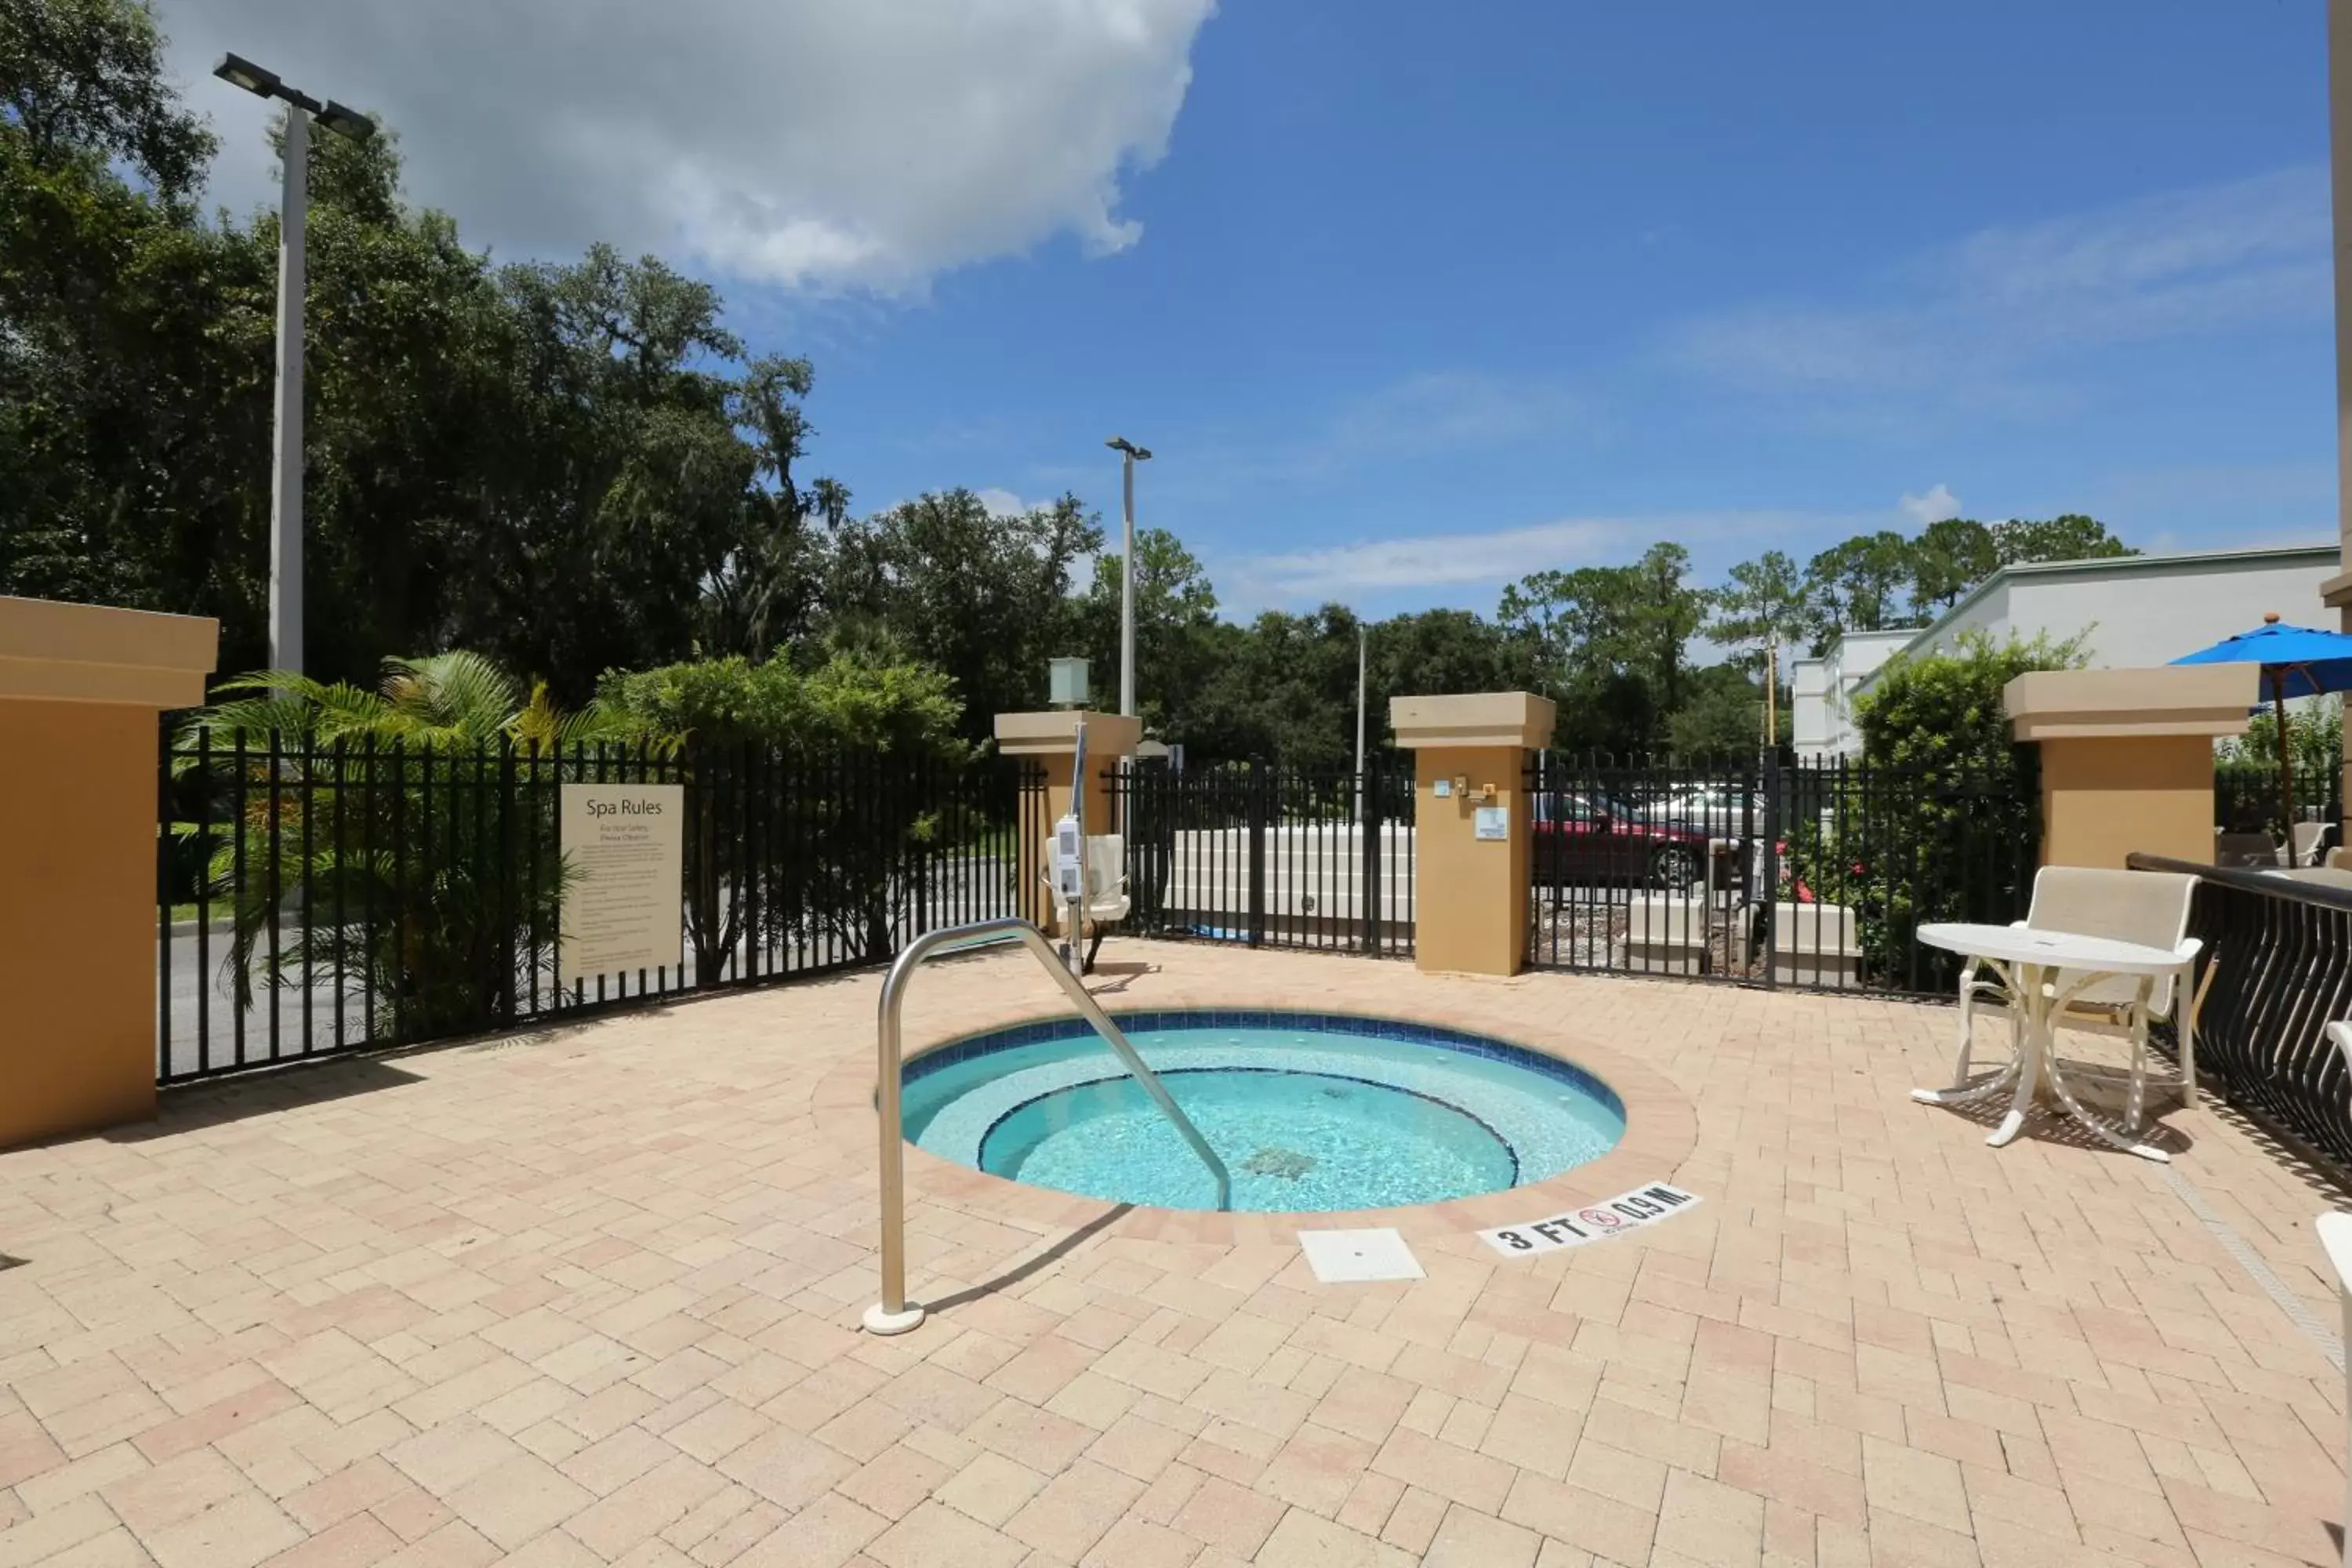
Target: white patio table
2042,971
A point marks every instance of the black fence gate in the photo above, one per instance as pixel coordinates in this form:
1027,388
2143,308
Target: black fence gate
1813,874
1270,856
323,897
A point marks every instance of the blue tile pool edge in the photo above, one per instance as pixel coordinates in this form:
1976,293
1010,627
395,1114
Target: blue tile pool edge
1039,1030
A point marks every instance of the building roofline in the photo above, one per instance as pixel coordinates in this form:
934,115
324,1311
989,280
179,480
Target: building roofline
2283,555
2273,554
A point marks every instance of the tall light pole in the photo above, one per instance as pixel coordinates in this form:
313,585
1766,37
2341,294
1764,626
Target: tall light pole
1129,455
286,464
1363,634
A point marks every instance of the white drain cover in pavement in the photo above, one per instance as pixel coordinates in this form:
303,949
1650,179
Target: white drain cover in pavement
1358,1257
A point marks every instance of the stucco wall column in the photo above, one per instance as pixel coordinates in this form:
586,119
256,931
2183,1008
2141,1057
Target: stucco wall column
79,690
2337,592
2127,756
1049,741
1470,893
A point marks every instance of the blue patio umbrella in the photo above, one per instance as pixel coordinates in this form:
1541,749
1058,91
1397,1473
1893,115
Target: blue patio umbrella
2298,661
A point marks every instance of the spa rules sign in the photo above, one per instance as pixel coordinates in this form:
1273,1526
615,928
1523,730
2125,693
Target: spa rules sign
624,851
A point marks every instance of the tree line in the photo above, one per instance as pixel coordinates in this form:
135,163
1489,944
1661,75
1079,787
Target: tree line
575,469
1624,649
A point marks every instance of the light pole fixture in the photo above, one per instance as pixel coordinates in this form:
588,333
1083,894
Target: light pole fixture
286,465
1129,455
1065,682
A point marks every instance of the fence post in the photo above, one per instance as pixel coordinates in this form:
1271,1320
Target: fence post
1770,893
1258,778
507,911
1368,824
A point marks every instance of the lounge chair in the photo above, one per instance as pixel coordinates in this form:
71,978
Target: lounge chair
2244,849
1106,894
2150,908
2304,838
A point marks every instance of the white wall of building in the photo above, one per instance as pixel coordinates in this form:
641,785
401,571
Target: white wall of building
2133,612
2139,611
1820,690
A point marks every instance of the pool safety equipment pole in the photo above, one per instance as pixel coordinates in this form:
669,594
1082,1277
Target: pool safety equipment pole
894,1314
1075,893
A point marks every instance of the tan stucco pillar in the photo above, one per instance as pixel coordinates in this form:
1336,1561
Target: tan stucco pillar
80,689
1050,740
1470,893
2127,756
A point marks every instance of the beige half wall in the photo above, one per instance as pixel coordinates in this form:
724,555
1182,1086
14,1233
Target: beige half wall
80,687
2127,756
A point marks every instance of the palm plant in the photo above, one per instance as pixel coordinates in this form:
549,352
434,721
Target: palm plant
414,827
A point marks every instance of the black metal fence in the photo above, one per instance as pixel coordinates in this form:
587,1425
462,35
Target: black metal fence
315,897
1813,874
2280,954
2248,798
1271,856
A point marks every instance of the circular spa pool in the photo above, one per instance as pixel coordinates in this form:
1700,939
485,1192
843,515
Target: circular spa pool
1310,1111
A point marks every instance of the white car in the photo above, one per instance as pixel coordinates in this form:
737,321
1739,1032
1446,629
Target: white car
1717,811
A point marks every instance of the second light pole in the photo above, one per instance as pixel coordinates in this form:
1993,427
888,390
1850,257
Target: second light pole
286,463
1129,455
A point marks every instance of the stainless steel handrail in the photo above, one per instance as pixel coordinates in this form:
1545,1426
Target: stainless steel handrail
893,1314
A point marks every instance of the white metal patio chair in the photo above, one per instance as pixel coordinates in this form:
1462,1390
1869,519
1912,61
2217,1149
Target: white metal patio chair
2150,908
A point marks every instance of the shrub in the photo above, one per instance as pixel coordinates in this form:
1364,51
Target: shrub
853,741
1942,821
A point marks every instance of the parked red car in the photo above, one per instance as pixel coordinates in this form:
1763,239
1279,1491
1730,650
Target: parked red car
1582,839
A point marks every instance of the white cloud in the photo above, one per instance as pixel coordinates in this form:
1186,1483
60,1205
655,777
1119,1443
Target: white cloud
1934,506
1002,502
1965,321
866,145
1425,567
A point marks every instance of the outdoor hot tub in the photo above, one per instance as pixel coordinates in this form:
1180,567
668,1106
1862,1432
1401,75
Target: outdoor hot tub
1310,1111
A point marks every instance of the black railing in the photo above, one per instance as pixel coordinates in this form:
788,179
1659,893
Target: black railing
316,898
1270,856
1809,874
2280,951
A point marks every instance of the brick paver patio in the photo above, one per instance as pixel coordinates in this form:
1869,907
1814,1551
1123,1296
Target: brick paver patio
588,1295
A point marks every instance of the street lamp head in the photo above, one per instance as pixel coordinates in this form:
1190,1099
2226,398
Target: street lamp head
1121,443
347,122
238,71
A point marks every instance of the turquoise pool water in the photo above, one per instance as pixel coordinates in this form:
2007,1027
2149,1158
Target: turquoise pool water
1310,1111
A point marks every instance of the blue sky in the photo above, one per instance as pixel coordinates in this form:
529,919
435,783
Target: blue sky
1542,284
1413,299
